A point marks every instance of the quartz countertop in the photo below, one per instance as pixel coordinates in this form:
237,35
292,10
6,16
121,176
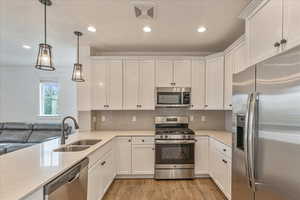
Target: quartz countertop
24,171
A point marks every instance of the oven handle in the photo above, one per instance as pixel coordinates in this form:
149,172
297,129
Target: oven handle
175,141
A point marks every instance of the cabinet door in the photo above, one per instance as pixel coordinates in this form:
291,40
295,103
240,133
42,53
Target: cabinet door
131,84
212,160
95,182
228,68
214,83
123,155
198,85
201,155
291,28
265,29
147,85
239,60
115,92
107,174
100,76
143,159
164,73
182,73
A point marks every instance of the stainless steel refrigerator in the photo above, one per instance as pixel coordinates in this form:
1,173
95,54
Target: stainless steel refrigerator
266,130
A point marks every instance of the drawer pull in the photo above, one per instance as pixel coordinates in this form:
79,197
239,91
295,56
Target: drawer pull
283,41
277,44
143,140
224,161
129,140
224,150
103,163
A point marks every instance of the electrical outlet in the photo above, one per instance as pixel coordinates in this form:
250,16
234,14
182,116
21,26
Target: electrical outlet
94,119
191,118
133,118
203,118
103,118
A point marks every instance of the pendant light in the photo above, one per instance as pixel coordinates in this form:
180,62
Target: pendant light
44,59
77,70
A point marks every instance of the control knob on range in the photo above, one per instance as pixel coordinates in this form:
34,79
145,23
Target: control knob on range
166,136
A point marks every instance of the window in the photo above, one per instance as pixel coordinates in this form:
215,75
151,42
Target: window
49,98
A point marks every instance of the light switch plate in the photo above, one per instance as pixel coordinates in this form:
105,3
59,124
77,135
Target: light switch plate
133,118
103,118
203,118
191,118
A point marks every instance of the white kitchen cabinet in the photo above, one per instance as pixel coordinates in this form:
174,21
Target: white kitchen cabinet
265,31
291,28
143,159
214,82
36,195
139,85
201,155
220,166
173,73
164,73
228,72
131,84
95,182
107,91
100,176
182,73
239,59
198,85
123,155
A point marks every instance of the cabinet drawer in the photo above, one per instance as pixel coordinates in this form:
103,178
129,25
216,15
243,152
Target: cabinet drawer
221,147
143,140
95,156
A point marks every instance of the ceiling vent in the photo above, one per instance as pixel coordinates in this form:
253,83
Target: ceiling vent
143,9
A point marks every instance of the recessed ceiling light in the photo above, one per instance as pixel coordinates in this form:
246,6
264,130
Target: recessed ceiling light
147,29
26,46
92,29
201,29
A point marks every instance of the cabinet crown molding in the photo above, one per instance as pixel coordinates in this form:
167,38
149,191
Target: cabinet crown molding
235,44
250,8
215,55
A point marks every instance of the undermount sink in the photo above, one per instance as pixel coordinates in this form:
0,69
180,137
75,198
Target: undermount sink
86,142
71,148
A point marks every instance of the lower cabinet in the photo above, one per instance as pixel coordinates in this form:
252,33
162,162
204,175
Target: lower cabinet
201,155
123,155
143,159
220,166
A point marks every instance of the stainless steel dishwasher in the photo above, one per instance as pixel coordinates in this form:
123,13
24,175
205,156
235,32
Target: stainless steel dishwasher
71,185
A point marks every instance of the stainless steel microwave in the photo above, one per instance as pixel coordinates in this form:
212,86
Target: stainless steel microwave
173,97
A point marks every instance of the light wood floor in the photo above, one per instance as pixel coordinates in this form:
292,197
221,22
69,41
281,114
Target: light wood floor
149,189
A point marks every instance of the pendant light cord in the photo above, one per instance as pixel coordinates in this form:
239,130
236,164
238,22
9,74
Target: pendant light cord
77,49
45,21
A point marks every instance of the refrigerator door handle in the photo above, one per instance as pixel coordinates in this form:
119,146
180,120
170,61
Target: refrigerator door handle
246,138
251,139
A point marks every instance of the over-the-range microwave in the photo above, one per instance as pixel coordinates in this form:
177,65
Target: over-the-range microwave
173,97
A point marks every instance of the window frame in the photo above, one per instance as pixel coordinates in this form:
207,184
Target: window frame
41,99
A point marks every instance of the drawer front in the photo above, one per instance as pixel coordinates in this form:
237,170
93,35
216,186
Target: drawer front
226,150
143,140
97,155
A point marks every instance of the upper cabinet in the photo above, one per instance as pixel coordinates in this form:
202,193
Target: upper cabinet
265,31
139,82
214,82
198,85
173,73
291,28
272,28
107,76
228,72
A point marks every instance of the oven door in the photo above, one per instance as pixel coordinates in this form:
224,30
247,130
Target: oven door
174,152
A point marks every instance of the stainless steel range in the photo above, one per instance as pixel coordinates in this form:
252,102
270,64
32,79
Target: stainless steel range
174,148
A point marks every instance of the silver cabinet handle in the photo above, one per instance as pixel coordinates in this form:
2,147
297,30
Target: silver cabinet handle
276,44
283,41
103,163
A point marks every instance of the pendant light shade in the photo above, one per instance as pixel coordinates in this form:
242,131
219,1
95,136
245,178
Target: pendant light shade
44,58
77,75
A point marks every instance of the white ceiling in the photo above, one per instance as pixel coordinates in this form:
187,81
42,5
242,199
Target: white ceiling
174,29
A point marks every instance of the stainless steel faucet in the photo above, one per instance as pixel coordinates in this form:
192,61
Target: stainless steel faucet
64,136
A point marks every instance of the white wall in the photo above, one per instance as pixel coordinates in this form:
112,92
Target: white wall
19,93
